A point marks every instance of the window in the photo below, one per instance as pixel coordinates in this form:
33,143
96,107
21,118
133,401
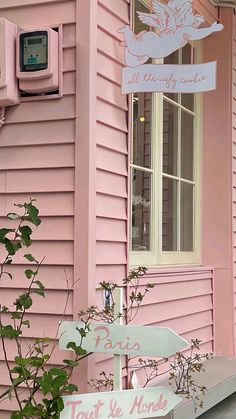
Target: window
164,164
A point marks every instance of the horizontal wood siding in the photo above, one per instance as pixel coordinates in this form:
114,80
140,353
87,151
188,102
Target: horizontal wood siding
112,148
181,300
37,160
234,163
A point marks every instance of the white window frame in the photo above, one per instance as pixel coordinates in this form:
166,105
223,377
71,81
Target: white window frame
156,256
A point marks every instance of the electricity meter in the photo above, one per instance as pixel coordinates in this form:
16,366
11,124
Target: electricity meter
9,91
37,60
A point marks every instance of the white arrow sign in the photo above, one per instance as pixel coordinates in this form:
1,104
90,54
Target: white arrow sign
127,404
122,339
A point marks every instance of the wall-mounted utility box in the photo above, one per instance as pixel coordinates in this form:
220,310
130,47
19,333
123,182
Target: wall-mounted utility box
9,91
37,59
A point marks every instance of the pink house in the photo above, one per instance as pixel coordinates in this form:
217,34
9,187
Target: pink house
147,179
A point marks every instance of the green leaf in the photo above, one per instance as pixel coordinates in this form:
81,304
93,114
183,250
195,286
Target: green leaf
32,214
9,332
30,258
81,331
46,384
16,315
78,349
58,372
70,362
29,410
10,247
26,323
13,216
24,301
4,232
10,275
4,309
37,361
71,345
40,285
71,388
38,292
29,273
17,246
60,404
57,383
25,235
17,415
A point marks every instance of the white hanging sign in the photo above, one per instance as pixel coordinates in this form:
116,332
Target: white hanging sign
123,339
170,78
174,25
127,404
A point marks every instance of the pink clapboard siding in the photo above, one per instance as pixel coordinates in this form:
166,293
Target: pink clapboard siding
37,160
112,144
234,162
182,300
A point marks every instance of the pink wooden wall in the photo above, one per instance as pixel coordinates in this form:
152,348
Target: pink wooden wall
112,145
72,156
234,164
183,298
217,248
37,160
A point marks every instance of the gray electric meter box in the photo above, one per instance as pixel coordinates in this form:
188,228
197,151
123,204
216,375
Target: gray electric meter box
38,60
34,51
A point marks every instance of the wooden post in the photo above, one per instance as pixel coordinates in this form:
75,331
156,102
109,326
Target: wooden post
118,298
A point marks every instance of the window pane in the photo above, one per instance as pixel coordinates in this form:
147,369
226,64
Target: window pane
169,215
186,146
142,126
187,99
172,59
138,25
186,54
186,223
141,210
170,138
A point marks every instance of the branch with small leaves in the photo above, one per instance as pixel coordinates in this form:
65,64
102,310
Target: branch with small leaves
183,369
180,370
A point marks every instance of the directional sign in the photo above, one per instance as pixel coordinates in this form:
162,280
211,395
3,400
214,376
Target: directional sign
123,339
127,404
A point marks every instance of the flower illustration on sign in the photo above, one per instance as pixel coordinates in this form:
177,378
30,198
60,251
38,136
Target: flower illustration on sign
174,25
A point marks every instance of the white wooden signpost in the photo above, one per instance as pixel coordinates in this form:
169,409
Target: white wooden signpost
127,404
121,340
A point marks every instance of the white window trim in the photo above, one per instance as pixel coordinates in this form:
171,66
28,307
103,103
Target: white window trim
157,257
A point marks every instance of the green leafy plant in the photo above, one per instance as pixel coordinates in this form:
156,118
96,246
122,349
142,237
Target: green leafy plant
37,387
31,372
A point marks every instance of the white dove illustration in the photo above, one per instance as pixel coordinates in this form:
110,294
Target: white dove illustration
174,24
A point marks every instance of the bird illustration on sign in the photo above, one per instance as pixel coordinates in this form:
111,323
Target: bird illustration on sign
174,25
